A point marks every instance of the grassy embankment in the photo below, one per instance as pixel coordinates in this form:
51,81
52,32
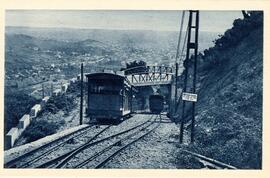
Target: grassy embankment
229,109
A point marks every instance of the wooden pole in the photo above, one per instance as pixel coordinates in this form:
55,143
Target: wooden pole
176,83
81,104
171,99
131,99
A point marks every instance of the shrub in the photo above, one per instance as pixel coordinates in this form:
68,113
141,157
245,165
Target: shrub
17,103
40,129
241,28
62,102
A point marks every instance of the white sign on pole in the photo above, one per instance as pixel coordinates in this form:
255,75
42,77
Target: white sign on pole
189,97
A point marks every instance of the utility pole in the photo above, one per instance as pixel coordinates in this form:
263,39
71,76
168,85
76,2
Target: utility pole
131,99
194,74
81,104
176,83
190,45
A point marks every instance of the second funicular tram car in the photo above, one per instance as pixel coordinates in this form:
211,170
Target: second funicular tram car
109,97
156,103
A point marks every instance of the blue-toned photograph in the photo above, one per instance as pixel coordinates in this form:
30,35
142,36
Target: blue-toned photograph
133,89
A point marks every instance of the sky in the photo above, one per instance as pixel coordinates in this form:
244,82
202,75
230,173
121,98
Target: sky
215,21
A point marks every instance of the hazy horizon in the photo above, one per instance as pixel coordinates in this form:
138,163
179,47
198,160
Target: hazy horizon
107,29
150,20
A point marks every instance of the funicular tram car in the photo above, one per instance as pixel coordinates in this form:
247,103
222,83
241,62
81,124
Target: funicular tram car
156,103
109,97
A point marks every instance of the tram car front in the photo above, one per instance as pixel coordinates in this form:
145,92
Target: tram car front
156,103
109,97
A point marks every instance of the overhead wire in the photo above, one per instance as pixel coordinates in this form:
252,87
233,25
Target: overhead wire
180,36
178,46
184,45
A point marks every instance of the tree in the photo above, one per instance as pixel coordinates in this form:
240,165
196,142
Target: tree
135,67
245,14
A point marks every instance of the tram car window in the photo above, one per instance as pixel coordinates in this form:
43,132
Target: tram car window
156,103
109,96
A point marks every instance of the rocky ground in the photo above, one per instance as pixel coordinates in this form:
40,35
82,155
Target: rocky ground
156,150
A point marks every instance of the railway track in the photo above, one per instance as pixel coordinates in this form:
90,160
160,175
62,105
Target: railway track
73,158
39,153
103,156
209,163
51,154
114,153
98,150
54,144
35,161
48,151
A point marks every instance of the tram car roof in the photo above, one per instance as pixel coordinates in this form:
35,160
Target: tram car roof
103,75
110,76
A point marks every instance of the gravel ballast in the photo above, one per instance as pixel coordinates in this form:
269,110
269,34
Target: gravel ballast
156,150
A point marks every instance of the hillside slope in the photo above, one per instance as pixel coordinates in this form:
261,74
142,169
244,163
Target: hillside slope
142,38
229,110
23,51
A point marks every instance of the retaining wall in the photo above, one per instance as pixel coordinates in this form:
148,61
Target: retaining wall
15,132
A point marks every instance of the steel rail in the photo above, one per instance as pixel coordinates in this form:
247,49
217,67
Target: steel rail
49,163
78,150
25,165
210,160
67,156
102,163
112,145
12,163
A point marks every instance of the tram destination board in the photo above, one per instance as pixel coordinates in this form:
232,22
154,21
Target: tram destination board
189,97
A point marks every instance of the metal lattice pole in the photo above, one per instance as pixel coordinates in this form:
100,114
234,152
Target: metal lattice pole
190,45
194,75
185,79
